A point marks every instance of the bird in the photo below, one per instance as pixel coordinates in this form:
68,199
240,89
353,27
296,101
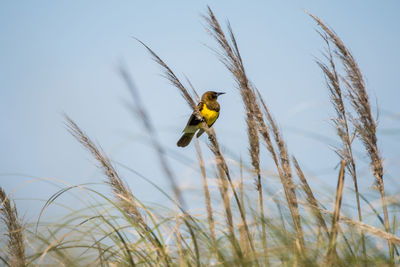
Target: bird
209,110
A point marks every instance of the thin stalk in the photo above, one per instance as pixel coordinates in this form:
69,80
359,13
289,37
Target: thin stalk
231,58
365,123
336,215
214,147
206,192
341,123
15,244
312,201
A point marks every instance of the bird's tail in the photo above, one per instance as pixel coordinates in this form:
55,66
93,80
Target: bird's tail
185,139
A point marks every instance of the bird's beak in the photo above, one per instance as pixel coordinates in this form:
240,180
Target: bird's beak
220,93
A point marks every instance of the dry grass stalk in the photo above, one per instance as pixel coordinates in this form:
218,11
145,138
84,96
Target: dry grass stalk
341,122
170,76
366,228
254,151
243,240
336,214
288,186
312,201
365,124
242,234
208,199
223,189
214,146
178,235
16,247
286,169
220,161
222,166
206,192
120,189
230,57
142,114
241,184
139,108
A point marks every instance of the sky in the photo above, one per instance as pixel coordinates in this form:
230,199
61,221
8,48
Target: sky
62,57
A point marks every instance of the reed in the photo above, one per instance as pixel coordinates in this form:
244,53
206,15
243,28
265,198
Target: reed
230,56
312,201
15,234
142,114
206,192
213,145
120,190
335,219
341,122
365,123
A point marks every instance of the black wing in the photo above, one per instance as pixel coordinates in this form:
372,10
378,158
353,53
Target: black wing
195,120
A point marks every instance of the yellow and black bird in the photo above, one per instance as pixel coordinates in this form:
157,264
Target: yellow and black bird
209,110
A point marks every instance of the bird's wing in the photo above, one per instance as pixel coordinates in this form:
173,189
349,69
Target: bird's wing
194,120
200,132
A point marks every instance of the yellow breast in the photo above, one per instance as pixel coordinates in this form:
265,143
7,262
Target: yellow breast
209,115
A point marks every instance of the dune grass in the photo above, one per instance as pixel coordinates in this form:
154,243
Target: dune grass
119,230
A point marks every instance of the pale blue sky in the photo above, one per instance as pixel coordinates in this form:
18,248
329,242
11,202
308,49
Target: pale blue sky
61,57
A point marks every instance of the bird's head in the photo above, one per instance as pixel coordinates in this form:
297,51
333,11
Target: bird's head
211,95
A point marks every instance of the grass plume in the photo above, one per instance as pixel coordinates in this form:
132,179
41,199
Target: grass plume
120,189
365,123
213,145
15,235
341,122
230,56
